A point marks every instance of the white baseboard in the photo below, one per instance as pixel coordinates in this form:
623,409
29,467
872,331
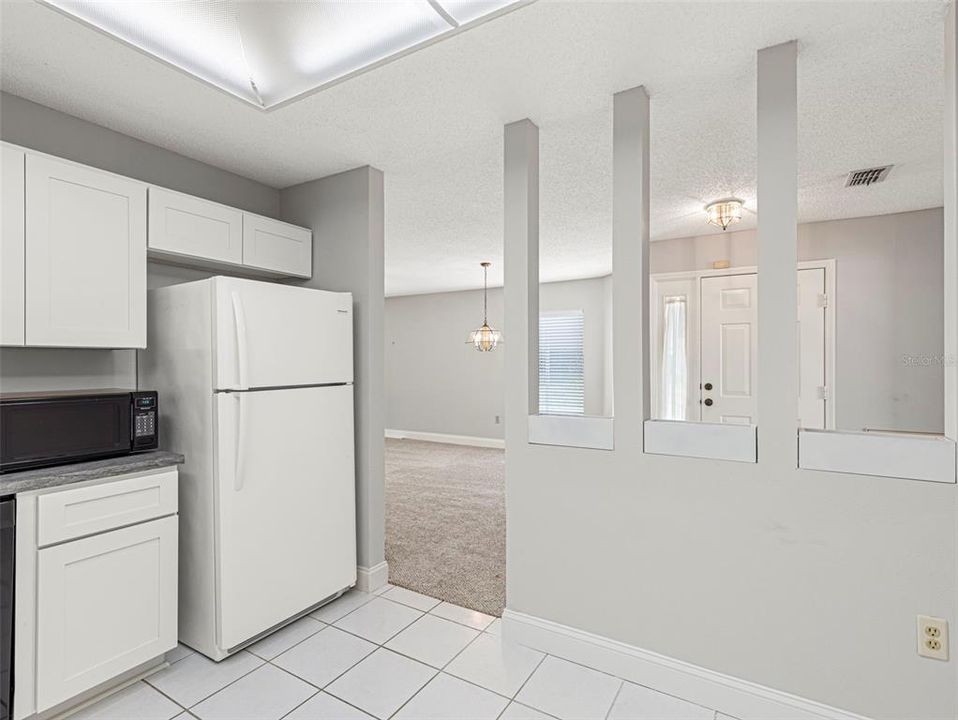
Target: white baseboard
472,440
371,579
739,698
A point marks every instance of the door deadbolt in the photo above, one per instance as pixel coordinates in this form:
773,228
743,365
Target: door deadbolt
708,386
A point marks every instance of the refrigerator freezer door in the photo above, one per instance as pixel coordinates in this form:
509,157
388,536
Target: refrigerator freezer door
270,335
286,525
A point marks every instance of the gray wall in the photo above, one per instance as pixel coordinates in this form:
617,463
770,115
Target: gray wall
345,212
436,382
40,128
890,285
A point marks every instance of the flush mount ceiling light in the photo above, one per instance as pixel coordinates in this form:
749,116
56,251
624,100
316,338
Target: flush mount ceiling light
268,53
724,213
485,338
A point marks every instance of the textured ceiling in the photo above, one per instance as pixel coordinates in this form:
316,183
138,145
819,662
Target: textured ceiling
871,92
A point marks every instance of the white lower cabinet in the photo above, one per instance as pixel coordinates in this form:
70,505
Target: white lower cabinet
105,604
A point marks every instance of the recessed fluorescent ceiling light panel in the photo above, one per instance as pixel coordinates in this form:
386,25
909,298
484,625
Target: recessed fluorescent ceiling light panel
268,52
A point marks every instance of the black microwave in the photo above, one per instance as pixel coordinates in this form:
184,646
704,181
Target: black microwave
54,428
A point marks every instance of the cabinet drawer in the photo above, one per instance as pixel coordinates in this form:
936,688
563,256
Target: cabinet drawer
277,246
69,514
186,226
106,604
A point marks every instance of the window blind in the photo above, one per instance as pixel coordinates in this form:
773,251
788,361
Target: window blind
561,364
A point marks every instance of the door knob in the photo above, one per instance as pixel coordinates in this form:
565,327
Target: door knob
708,386
708,402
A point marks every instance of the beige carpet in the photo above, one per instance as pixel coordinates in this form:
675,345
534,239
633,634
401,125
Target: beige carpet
446,522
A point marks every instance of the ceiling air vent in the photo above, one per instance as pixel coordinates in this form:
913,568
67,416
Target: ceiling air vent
868,176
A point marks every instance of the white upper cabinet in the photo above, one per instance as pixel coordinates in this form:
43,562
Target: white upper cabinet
85,282
185,226
11,246
277,246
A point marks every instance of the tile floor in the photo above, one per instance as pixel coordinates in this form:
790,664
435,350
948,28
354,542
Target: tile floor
392,654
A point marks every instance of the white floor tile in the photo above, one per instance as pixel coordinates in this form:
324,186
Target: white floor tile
323,657
412,599
326,707
341,606
465,616
284,638
567,690
385,588
447,697
138,700
267,693
640,703
723,716
379,619
495,627
432,640
499,666
178,653
196,677
381,683
515,711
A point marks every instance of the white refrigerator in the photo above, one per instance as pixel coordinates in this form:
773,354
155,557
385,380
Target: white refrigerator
255,385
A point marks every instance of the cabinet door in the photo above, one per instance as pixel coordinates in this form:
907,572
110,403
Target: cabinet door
182,225
11,247
105,604
277,246
85,257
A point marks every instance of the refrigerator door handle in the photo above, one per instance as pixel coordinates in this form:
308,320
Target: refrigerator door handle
239,327
240,443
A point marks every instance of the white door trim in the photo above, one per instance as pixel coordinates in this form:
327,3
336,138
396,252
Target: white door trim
828,265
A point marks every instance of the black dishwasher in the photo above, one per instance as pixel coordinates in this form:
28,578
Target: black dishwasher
8,533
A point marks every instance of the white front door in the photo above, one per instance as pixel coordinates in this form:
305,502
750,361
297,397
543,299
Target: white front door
286,512
729,349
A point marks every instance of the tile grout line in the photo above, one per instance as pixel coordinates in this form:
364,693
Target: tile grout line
534,671
618,691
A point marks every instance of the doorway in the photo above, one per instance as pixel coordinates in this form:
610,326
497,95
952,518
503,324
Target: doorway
704,327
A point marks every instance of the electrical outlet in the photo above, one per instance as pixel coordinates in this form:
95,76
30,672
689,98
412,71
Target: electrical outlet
932,637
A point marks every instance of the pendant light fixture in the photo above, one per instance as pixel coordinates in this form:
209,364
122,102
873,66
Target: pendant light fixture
485,339
724,213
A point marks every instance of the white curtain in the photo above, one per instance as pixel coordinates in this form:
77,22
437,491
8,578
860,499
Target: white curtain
675,364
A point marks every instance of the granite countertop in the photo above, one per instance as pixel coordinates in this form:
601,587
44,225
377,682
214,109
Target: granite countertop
43,478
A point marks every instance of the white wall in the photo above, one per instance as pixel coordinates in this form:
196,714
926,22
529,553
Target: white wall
888,306
436,382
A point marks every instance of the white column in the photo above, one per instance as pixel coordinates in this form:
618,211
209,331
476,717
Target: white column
777,255
630,264
521,270
951,222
